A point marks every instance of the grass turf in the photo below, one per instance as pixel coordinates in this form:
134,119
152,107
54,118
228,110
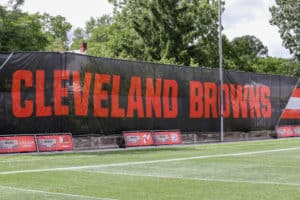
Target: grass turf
210,171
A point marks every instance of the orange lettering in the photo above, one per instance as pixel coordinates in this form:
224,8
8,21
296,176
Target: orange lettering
239,100
254,101
17,108
135,102
170,93
116,111
266,110
210,91
153,100
196,102
100,95
226,107
81,98
60,92
41,109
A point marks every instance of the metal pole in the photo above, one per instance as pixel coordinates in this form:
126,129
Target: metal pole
221,72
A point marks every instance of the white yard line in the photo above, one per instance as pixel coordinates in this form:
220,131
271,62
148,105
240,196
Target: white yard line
54,193
25,159
148,162
197,179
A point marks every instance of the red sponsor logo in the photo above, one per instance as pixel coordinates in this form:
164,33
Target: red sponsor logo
138,138
296,130
167,137
55,142
16,144
284,131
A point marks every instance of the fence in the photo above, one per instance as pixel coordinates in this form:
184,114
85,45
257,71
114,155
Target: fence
66,92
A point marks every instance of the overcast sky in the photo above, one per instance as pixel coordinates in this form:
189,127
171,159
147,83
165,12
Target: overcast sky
251,17
241,17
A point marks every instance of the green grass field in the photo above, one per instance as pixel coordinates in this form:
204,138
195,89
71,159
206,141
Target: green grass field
242,170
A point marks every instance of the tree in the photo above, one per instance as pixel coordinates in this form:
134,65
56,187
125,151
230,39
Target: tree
79,36
56,29
93,23
20,31
286,15
243,52
14,4
118,4
279,66
114,39
170,31
249,45
180,32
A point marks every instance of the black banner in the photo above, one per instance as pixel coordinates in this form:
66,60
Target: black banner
66,92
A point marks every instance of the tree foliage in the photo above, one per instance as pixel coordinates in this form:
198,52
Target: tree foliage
286,15
168,31
243,52
79,36
114,38
13,4
182,32
56,29
118,4
172,32
279,66
176,30
20,31
97,22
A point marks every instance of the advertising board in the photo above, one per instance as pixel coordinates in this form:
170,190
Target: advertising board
296,131
167,137
17,144
55,142
138,138
284,131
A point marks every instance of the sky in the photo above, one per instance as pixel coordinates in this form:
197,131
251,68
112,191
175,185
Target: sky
241,17
251,17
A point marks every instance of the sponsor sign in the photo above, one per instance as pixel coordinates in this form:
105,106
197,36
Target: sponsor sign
284,131
17,144
138,138
55,142
167,137
296,131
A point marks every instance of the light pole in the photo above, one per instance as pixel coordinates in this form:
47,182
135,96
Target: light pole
221,72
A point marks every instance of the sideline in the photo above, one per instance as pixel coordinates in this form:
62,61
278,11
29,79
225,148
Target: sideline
54,193
147,162
62,156
100,150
